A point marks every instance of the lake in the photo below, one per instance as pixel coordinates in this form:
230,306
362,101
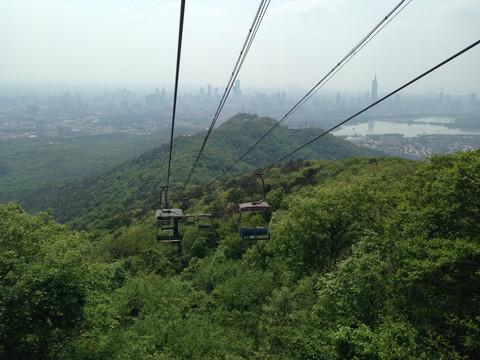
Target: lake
412,128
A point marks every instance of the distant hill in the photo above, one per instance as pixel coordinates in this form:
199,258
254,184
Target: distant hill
28,165
135,184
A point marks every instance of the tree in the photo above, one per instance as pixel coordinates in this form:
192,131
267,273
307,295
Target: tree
435,249
42,292
321,225
446,197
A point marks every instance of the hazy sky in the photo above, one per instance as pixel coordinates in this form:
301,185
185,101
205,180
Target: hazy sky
134,42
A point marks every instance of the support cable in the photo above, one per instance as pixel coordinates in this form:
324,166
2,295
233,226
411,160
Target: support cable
179,51
366,39
243,53
358,113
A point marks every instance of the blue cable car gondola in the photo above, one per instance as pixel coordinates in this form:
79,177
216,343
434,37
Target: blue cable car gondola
251,233
251,225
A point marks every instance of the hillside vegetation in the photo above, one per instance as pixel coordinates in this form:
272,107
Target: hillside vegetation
33,164
369,258
133,186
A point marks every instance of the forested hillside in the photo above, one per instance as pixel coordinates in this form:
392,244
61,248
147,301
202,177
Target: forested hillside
134,185
369,258
33,164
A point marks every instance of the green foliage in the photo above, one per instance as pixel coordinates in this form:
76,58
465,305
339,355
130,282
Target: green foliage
447,196
43,294
367,260
33,164
199,243
244,291
132,188
355,293
126,241
318,228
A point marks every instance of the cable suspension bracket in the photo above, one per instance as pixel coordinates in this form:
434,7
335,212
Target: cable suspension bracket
263,188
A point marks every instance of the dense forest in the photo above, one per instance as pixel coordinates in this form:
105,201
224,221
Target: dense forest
133,186
369,258
33,164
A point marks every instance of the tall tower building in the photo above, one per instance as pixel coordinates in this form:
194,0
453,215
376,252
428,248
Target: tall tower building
338,101
373,94
441,98
237,90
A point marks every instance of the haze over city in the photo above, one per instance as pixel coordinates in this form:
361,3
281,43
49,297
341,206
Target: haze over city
124,42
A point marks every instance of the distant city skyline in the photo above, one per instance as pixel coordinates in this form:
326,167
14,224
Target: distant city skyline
125,43
371,93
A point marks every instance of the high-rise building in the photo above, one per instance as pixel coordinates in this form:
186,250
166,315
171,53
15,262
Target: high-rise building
373,94
338,100
441,98
237,90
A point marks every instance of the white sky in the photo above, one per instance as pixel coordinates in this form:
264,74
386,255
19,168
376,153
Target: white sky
134,42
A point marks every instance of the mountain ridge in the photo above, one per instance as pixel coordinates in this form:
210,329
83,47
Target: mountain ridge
133,186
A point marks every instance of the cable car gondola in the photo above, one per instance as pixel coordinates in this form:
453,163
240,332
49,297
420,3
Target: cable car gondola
204,221
189,219
169,225
249,227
